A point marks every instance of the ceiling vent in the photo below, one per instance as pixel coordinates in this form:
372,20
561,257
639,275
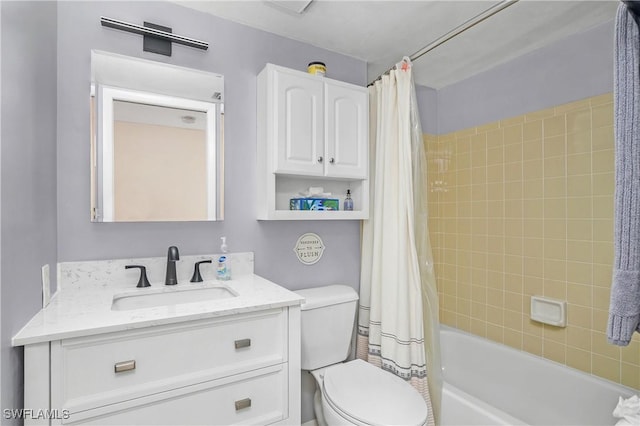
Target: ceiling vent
294,6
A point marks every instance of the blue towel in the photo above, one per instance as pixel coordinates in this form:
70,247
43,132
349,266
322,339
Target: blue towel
624,310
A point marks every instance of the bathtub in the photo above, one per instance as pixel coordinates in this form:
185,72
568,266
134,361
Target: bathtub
486,383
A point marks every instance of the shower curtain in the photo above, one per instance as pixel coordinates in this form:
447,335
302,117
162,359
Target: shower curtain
398,314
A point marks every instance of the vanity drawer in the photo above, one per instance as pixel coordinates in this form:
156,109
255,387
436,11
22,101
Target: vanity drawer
256,397
89,372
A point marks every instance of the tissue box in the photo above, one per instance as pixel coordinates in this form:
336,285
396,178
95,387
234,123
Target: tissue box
314,204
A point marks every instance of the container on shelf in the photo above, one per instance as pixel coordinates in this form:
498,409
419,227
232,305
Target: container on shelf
314,204
317,68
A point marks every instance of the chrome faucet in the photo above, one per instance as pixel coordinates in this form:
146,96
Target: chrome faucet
172,257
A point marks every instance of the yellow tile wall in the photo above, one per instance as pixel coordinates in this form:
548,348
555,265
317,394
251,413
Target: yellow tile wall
522,207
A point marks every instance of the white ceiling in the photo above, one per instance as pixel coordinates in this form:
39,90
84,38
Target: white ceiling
382,32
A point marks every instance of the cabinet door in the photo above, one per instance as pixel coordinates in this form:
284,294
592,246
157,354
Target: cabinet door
298,129
347,127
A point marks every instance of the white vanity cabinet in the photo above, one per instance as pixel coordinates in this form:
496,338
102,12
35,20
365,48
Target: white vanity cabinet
235,369
312,131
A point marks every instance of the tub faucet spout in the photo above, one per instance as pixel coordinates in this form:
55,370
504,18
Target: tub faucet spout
172,257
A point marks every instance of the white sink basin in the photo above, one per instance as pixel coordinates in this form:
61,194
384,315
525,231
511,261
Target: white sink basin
167,297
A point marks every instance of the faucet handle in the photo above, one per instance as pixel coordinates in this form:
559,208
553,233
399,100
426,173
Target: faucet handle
197,278
143,281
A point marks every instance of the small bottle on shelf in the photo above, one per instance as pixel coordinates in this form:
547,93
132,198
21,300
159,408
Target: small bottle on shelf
348,202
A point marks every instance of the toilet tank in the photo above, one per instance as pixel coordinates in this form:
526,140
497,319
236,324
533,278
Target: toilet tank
327,321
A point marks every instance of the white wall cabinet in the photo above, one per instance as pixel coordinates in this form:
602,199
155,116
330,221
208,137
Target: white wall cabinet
312,131
239,369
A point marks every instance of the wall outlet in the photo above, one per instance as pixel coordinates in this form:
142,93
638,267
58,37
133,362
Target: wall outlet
46,285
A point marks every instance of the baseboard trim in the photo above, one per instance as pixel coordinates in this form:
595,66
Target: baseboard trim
310,423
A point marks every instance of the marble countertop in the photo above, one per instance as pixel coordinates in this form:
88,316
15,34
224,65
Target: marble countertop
81,310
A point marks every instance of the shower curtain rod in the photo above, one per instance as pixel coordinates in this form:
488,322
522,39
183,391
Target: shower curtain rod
456,31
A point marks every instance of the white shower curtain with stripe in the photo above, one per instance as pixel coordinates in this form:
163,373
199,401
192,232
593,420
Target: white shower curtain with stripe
398,313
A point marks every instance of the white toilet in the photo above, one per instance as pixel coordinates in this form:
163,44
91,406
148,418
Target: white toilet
354,392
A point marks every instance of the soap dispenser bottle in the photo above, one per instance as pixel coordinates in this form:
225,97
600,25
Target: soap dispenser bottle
348,202
223,272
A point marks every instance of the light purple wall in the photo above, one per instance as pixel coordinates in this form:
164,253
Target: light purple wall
239,53
574,68
428,109
28,174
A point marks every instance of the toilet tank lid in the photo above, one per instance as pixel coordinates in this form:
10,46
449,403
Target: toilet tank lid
319,297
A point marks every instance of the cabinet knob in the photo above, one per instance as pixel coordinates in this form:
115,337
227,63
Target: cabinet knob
244,343
243,403
320,159
120,367
332,160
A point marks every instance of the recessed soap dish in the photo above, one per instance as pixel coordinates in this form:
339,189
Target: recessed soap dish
549,311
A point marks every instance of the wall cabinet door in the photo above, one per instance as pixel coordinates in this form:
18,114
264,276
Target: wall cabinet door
299,131
346,124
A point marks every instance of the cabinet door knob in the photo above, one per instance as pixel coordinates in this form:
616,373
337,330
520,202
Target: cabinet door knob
332,160
243,403
319,159
244,343
120,367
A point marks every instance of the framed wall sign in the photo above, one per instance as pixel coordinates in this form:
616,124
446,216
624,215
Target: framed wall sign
309,248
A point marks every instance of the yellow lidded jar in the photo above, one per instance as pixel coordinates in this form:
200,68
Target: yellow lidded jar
317,68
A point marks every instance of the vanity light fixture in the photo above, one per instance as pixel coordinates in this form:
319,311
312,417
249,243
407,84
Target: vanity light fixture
157,38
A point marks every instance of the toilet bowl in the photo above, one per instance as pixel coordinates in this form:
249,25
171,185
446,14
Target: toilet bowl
358,393
354,392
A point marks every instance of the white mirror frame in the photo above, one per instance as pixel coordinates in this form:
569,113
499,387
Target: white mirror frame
106,96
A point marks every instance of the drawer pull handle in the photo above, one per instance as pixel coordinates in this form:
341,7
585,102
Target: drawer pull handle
119,367
243,403
244,343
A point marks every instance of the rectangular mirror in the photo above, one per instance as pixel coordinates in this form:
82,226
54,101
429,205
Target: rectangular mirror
157,141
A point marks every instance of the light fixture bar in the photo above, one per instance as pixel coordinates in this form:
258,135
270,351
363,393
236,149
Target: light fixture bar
147,31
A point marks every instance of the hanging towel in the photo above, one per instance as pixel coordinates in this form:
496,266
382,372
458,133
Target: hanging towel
624,310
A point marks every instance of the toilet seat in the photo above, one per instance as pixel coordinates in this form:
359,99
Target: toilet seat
381,398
